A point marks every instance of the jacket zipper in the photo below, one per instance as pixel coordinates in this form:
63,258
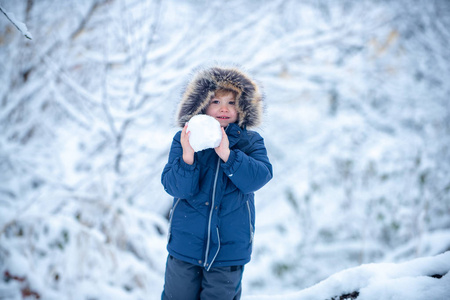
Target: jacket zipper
250,222
218,249
169,233
210,216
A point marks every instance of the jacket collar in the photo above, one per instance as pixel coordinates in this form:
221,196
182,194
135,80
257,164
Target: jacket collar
234,133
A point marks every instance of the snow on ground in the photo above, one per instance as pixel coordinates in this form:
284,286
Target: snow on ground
409,280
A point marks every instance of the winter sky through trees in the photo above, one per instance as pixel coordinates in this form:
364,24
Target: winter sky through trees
357,126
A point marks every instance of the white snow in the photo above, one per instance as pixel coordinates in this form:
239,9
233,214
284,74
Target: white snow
205,132
409,280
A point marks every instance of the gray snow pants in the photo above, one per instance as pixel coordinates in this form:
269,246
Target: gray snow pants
185,281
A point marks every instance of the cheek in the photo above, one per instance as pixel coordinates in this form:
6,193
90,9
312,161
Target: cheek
235,115
209,111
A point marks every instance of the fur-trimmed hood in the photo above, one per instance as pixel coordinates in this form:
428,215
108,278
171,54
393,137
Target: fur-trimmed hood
203,86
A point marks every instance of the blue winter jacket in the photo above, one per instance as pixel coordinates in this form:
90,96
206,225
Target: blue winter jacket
213,216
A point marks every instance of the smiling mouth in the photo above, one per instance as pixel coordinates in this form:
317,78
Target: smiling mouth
223,118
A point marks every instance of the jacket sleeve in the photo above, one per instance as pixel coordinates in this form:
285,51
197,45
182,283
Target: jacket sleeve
249,171
179,179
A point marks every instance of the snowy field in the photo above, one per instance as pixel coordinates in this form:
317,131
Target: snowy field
356,123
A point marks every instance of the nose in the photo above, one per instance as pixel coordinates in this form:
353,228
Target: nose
224,107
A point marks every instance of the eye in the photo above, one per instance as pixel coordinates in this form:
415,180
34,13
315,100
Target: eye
215,101
232,102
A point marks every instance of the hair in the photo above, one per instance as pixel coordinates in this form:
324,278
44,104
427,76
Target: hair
225,92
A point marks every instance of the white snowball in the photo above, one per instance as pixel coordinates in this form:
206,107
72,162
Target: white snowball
205,132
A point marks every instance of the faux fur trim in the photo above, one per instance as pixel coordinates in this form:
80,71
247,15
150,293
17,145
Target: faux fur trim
203,86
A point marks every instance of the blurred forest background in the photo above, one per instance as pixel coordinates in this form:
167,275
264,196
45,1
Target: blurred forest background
357,126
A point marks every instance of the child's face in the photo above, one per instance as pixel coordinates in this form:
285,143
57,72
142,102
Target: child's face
222,108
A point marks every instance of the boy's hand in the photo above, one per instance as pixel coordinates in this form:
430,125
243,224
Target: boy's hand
188,151
223,150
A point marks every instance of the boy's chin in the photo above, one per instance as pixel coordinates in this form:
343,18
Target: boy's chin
224,124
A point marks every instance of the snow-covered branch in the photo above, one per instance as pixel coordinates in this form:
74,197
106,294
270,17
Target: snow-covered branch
19,25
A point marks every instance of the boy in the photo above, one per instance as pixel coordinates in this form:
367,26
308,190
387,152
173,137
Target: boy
212,221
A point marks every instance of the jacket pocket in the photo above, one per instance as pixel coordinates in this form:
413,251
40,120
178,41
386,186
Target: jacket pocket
172,211
252,231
